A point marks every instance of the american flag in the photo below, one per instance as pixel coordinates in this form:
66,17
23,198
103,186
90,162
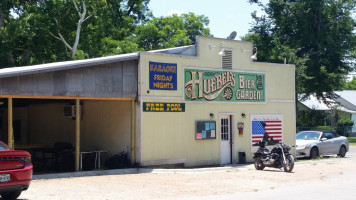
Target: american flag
272,128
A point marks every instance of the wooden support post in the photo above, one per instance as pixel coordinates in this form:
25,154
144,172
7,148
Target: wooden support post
10,140
77,133
133,131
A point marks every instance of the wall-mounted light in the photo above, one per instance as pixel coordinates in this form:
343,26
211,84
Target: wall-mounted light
240,127
212,115
243,115
222,52
254,56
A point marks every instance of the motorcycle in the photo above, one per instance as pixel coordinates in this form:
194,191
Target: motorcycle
278,157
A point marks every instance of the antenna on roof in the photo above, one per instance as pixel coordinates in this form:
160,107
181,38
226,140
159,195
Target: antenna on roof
232,35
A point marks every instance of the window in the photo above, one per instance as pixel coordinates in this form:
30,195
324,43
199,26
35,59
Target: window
226,59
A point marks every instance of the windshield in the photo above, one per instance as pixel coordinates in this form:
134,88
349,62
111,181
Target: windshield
3,147
308,136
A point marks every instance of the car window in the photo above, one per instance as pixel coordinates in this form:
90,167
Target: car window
305,135
328,135
3,147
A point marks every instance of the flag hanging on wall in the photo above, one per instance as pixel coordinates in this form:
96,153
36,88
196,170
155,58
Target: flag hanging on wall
266,127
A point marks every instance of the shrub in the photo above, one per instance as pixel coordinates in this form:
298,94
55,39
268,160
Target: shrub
118,161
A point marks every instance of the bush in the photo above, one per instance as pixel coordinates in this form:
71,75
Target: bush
324,128
118,161
345,122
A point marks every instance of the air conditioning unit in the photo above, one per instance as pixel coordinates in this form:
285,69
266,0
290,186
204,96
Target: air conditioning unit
69,111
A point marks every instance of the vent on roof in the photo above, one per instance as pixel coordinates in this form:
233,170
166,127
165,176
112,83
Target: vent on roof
226,59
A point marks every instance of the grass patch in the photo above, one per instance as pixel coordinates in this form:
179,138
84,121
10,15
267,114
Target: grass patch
352,141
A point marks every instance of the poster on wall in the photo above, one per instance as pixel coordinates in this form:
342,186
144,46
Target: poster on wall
163,76
205,130
223,86
268,128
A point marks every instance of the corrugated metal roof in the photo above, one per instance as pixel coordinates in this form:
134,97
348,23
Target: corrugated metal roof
17,71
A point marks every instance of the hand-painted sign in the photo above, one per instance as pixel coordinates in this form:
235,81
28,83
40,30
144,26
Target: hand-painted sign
163,107
266,127
226,86
163,76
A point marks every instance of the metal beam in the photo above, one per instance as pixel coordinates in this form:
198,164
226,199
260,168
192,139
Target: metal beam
10,124
77,134
133,131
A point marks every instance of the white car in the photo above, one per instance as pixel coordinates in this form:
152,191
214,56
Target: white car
319,143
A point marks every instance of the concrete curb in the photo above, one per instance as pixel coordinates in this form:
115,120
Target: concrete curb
141,171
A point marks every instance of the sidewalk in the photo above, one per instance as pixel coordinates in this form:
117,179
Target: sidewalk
225,168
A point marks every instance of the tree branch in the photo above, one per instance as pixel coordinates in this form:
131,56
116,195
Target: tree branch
76,7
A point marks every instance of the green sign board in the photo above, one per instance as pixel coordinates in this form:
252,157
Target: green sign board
163,107
223,86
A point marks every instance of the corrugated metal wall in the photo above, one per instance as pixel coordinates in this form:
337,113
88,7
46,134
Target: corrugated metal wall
117,79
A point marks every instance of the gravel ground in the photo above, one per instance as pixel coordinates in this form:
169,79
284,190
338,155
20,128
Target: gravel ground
188,183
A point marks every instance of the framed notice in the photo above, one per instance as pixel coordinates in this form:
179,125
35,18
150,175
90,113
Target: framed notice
205,130
163,76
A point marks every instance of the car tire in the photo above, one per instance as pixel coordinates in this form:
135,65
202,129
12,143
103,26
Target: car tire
314,153
342,151
11,195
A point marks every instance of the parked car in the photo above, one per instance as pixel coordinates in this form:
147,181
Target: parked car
319,143
15,172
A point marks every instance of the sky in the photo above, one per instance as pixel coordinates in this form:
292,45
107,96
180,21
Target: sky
225,16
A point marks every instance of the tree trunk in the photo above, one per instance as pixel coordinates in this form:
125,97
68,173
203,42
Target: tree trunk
2,23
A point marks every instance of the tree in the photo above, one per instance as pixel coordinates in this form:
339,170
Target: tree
316,36
26,32
42,31
172,31
351,85
82,13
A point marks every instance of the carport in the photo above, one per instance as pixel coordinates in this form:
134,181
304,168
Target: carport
97,95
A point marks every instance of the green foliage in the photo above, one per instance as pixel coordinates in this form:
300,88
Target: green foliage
316,36
324,128
351,85
310,118
28,30
165,32
345,121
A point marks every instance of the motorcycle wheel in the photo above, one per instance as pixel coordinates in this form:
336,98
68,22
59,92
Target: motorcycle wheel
259,164
288,167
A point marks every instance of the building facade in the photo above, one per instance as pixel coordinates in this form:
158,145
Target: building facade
204,108
204,104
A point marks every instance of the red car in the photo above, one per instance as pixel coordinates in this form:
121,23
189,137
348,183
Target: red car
15,172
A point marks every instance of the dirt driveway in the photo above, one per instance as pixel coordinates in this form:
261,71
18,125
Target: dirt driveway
185,183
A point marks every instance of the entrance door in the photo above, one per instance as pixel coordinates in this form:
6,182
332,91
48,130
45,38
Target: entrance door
225,142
